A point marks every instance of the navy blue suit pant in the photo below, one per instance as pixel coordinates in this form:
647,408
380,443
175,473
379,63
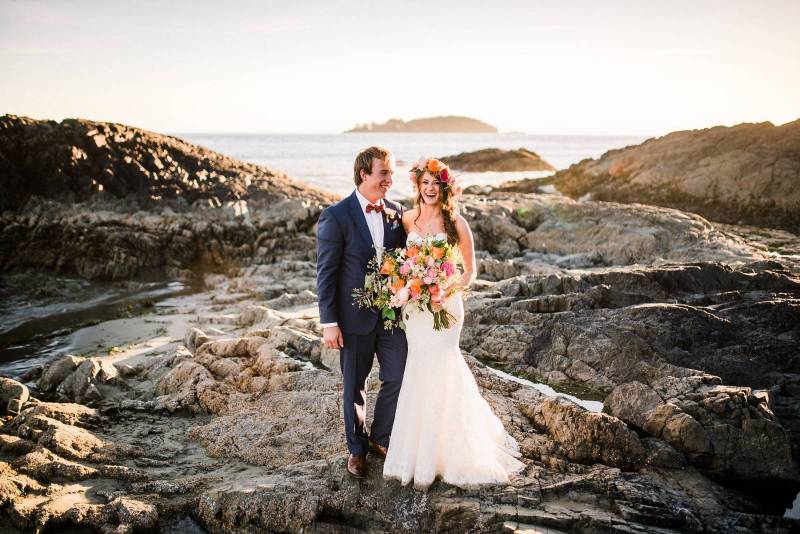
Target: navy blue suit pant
356,358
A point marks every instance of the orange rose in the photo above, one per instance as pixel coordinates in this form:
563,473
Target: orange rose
437,253
415,286
387,267
398,284
435,165
412,251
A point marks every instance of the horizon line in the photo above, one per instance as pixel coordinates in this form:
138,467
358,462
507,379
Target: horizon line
415,133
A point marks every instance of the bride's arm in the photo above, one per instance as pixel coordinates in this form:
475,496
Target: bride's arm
467,246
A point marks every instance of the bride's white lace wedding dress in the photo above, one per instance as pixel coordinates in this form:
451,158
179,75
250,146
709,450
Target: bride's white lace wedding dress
443,427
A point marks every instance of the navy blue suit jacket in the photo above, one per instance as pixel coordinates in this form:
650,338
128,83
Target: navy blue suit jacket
344,247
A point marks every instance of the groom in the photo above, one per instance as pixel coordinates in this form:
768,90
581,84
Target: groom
349,234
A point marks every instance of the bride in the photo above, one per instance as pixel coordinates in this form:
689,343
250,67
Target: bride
443,427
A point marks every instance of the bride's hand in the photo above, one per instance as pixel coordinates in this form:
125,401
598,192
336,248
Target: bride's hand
458,287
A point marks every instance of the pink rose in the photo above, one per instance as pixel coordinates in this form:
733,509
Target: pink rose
406,267
444,176
448,268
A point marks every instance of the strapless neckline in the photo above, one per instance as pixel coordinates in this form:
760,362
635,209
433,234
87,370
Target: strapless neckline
442,235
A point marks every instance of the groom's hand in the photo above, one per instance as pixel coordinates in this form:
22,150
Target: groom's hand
332,336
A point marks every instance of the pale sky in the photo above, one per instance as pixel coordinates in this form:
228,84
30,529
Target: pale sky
559,67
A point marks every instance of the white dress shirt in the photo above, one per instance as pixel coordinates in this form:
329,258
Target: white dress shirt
374,222
375,225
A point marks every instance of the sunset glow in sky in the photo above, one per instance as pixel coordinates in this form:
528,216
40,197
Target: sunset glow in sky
569,67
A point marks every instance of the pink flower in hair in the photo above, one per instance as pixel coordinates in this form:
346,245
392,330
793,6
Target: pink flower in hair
444,176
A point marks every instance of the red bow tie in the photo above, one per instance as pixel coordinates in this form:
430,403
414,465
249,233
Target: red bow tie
373,207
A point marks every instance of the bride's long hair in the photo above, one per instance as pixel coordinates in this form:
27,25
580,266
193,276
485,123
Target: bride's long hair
448,203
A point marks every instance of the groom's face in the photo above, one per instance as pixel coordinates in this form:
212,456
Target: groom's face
379,181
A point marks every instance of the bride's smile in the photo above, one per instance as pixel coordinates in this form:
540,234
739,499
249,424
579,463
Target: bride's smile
430,190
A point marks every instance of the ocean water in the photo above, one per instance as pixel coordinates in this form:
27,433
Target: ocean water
326,160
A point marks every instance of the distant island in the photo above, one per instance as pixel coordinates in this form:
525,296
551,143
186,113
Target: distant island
448,124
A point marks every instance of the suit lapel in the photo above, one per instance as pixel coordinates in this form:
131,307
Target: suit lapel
388,242
360,219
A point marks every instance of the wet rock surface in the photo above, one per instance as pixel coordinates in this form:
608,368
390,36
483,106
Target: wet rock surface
221,410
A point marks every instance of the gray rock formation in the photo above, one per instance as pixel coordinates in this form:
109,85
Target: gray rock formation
595,234
745,174
729,431
77,160
100,242
605,329
13,395
495,159
587,437
85,214
57,372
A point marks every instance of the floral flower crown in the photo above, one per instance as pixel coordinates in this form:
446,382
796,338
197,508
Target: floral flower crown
437,169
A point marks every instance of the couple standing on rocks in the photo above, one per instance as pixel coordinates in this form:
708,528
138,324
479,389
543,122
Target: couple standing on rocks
428,402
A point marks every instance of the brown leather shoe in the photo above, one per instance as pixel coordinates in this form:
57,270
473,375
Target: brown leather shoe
357,465
378,450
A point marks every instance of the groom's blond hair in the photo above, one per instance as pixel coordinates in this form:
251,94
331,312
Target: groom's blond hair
364,161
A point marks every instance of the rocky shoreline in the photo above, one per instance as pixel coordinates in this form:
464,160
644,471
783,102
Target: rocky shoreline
220,411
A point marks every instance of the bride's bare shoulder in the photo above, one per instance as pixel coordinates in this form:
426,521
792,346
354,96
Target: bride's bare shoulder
410,213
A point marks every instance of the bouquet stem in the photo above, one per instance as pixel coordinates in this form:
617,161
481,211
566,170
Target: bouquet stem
442,319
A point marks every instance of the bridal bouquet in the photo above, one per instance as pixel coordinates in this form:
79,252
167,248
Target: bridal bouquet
423,275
